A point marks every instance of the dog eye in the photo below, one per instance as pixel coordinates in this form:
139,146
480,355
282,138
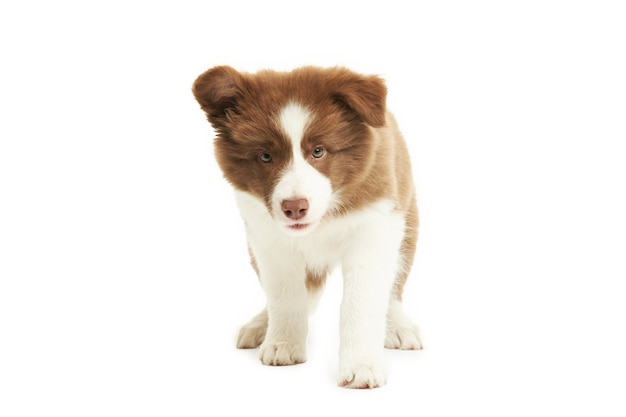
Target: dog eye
265,157
318,152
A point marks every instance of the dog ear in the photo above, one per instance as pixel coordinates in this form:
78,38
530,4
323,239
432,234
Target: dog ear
365,95
218,91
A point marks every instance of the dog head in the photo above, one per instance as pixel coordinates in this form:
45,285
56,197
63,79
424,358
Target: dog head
297,141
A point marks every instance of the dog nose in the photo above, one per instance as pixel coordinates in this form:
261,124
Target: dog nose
295,209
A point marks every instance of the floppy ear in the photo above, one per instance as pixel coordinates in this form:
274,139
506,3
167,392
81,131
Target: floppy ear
366,95
218,91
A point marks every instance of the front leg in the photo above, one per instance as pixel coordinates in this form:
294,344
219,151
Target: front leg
369,269
287,309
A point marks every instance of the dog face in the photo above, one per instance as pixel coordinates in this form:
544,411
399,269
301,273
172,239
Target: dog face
297,141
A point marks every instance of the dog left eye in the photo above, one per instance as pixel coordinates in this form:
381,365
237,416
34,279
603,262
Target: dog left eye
318,152
265,157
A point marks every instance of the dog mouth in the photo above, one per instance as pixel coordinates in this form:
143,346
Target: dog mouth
298,226
299,229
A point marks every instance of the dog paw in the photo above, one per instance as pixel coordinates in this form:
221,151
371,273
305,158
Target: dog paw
252,334
362,376
401,333
281,353
405,338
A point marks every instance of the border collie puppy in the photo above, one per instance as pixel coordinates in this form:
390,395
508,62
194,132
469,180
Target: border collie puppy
322,178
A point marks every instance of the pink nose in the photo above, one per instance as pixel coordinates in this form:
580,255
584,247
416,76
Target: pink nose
295,209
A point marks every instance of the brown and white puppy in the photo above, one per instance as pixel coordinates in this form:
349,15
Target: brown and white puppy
322,179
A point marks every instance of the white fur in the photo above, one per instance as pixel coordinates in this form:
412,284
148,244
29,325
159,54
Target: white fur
366,244
294,119
402,333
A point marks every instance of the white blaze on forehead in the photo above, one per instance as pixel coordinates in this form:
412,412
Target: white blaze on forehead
294,119
300,180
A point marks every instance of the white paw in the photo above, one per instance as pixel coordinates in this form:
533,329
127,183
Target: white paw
405,338
362,375
252,334
401,333
281,353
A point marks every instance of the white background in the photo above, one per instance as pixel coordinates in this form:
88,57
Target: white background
123,268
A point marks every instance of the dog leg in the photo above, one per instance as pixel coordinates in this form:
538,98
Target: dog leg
287,308
369,268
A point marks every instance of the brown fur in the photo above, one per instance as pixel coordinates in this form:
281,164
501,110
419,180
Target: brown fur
315,280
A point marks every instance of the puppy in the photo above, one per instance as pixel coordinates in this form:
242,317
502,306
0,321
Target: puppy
322,178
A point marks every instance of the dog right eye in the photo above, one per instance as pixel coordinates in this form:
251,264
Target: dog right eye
265,157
